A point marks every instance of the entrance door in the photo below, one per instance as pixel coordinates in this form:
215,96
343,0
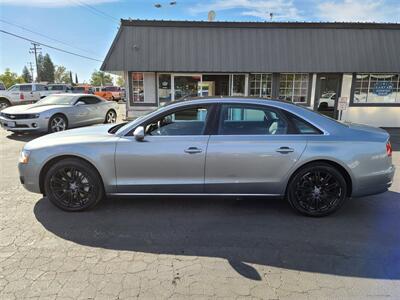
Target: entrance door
327,93
186,86
215,85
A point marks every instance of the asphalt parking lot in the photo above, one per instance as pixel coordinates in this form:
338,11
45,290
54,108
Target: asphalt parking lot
203,248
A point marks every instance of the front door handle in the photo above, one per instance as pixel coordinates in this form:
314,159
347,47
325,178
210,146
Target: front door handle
193,150
284,150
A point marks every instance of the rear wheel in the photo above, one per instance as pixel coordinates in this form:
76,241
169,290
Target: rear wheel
317,190
111,117
73,185
58,123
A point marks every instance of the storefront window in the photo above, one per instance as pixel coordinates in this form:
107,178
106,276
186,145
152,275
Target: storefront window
164,88
186,86
293,87
137,87
238,85
261,85
377,88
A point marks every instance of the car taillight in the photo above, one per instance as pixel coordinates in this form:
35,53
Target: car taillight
21,96
389,149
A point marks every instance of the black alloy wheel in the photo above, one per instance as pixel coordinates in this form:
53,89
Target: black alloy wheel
73,185
111,117
317,190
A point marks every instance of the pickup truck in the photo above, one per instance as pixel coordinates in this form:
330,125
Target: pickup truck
23,93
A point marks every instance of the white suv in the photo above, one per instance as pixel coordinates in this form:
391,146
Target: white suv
22,94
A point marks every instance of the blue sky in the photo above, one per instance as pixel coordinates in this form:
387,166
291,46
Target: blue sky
87,31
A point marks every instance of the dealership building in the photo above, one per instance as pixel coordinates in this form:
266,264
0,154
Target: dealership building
349,71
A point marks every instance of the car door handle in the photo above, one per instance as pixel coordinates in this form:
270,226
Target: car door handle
193,150
284,150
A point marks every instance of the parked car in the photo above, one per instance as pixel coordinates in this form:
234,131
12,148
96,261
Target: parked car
22,94
327,100
109,92
213,147
58,88
2,86
59,112
82,89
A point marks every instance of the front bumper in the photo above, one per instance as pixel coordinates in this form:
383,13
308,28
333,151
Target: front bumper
37,124
29,177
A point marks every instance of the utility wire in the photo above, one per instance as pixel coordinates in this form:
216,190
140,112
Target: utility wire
48,46
97,11
45,36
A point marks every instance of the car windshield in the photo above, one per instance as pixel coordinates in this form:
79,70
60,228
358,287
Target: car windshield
57,99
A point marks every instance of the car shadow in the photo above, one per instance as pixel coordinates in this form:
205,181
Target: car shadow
24,136
361,240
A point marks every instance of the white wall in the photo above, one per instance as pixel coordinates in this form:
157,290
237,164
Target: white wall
379,116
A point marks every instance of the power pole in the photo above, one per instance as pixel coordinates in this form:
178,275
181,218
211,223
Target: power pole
35,50
31,68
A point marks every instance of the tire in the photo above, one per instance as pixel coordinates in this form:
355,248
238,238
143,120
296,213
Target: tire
73,185
317,190
4,103
62,122
111,117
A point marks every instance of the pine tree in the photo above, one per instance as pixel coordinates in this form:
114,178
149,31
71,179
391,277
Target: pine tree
76,78
47,69
39,67
70,78
26,75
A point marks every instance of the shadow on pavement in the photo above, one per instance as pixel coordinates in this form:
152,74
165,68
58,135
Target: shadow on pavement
361,240
24,137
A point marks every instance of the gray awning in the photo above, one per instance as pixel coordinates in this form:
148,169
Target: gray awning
178,46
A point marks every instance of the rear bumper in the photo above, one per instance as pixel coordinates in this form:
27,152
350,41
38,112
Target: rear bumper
376,184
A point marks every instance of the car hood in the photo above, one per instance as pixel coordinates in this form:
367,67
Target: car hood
83,135
30,108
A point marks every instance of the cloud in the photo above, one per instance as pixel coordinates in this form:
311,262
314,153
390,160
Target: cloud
52,3
359,11
282,9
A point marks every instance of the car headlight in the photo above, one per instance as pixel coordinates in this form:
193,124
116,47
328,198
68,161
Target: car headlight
34,116
24,156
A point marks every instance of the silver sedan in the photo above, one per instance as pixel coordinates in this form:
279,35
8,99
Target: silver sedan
58,113
213,147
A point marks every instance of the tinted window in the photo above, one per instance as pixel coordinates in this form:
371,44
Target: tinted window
56,87
25,88
190,121
40,87
89,100
303,127
245,120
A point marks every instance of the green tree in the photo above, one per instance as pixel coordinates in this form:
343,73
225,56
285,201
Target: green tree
100,78
26,75
70,78
61,75
120,81
39,67
76,78
10,78
47,69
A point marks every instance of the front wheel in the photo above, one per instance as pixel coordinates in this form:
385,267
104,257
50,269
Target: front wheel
111,117
73,185
58,123
4,104
317,190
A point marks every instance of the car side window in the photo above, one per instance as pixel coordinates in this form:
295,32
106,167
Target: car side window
14,88
237,119
302,126
26,88
190,121
89,100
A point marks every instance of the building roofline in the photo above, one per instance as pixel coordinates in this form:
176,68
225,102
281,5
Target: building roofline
226,24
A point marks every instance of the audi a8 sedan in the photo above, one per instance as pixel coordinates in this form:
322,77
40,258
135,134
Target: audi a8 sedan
59,112
213,147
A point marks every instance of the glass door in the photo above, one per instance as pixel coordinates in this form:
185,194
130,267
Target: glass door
327,94
238,85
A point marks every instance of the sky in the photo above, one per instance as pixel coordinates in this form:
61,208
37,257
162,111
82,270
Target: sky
88,27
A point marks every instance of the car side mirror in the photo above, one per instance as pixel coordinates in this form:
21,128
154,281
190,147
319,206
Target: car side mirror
139,133
80,103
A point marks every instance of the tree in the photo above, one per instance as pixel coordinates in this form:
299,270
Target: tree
120,81
26,75
61,75
76,78
47,69
100,78
70,77
39,68
10,78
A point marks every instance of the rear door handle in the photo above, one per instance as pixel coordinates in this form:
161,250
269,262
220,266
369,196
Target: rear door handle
284,150
193,150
